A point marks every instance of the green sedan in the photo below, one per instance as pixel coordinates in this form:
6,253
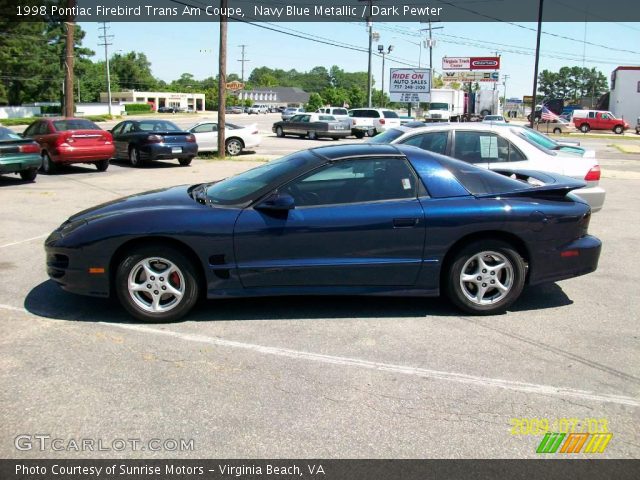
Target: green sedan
19,155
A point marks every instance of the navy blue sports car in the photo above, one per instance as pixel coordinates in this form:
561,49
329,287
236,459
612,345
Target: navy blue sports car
352,219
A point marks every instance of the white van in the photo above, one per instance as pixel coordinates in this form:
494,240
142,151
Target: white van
258,108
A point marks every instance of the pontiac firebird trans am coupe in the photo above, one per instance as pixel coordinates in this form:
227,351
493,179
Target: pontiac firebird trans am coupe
344,220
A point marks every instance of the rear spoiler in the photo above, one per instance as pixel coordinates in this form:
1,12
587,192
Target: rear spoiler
539,184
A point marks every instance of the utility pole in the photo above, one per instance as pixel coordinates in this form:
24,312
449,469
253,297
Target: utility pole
430,42
68,63
105,38
243,61
370,31
222,80
537,63
505,77
78,90
495,84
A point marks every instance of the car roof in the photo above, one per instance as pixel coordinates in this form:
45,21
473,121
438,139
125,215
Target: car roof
357,150
456,125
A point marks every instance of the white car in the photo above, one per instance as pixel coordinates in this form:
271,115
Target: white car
237,138
341,114
257,108
498,146
372,121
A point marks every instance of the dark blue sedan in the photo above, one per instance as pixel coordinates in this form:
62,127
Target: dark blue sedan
141,141
353,219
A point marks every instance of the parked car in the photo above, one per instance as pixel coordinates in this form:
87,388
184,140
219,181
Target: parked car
372,121
167,110
587,120
237,137
638,126
494,119
290,112
258,108
64,141
504,146
141,141
313,126
341,114
19,155
330,221
233,110
555,126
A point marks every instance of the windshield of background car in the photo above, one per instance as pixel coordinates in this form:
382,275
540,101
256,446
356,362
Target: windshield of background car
253,183
74,124
536,139
389,114
480,181
387,136
8,135
340,111
326,118
157,126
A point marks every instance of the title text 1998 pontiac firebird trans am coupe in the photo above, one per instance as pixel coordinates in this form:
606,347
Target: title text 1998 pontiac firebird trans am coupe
352,219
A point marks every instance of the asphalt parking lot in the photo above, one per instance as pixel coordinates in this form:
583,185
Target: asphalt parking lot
311,377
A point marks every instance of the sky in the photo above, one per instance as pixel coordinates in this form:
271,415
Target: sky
176,48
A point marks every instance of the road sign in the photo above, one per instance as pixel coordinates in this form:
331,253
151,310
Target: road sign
235,85
527,100
471,63
409,85
465,77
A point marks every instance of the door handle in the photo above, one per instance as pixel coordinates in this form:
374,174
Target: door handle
404,222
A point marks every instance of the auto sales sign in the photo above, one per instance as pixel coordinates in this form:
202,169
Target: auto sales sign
410,85
471,63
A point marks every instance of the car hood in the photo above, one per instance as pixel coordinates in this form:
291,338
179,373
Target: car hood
172,197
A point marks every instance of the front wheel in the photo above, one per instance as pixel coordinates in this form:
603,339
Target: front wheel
156,284
618,129
279,132
584,128
358,134
557,130
312,135
233,147
486,277
102,165
29,175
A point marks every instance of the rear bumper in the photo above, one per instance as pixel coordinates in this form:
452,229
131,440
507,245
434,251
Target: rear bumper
594,196
88,154
164,151
19,163
571,260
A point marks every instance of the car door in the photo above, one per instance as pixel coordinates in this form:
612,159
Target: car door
206,136
355,223
486,149
121,134
436,142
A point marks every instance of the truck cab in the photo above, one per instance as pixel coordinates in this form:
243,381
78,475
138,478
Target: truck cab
587,120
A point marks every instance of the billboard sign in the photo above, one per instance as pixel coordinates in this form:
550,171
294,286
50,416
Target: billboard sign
471,63
465,77
410,85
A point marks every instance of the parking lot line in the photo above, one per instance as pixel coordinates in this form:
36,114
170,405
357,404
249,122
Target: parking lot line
24,241
386,367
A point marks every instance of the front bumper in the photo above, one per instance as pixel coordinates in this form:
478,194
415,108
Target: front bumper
19,163
570,260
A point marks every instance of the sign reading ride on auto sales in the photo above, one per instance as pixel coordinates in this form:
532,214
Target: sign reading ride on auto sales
409,85
471,63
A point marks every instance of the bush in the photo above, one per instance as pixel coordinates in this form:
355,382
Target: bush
8,122
100,118
137,108
51,110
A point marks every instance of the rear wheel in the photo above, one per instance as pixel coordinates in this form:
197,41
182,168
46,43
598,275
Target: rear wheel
48,166
557,130
584,128
358,134
102,165
29,175
312,135
185,162
134,157
618,129
486,277
233,147
156,284
371,132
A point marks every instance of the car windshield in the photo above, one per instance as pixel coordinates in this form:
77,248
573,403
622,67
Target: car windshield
438,106
536,139
326,118
389,114
387,136
340,111
253,183
157,126
74,124
7,135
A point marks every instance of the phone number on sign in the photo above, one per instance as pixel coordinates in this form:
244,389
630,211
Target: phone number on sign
541,426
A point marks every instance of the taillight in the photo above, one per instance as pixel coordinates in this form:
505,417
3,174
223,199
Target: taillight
65,137
593,175
155,139
29,148
191,138
382,121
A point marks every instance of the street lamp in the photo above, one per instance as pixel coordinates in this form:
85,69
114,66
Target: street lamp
383,53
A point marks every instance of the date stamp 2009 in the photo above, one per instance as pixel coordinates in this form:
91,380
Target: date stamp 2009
565,435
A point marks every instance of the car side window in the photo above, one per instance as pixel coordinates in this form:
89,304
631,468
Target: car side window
305,118
296,118
206,128
31,130
354,181
127,128
435,142
478,147
117,129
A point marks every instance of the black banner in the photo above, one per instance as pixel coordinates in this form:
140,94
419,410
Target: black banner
320,469
324,10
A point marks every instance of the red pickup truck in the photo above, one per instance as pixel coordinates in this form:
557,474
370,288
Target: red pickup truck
587,120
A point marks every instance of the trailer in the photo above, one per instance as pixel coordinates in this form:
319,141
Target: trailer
487,102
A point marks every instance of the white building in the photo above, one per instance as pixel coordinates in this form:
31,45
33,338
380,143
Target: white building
185,101
624,101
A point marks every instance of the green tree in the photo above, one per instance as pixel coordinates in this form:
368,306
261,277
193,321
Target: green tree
315,102
572,83
133,70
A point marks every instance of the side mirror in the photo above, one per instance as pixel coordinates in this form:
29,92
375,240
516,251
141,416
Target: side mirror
277,202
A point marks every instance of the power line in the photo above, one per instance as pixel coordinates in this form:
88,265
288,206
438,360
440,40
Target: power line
106,45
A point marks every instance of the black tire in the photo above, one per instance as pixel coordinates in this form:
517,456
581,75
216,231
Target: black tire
584,128
557,130
336,138
29,175
233,147
279,132
140,303
312,135
359,134
102,165
372,132
134,157
48,166
185,162
618,129
511,277
484,113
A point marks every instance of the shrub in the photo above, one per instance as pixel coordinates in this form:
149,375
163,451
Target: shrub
137,108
